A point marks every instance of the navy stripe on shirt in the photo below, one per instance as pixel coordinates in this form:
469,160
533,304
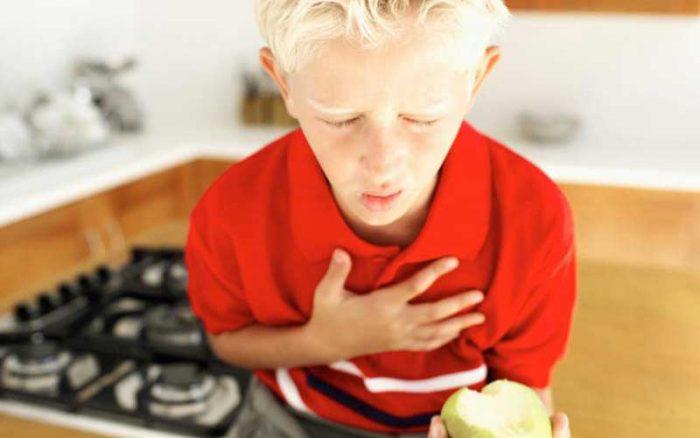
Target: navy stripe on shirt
365,409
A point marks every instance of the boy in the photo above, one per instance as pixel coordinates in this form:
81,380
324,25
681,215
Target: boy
427,219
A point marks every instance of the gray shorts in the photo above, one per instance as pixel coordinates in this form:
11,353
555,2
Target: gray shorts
262,415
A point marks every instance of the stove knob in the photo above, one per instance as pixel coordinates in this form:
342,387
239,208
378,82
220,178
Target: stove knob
24,312
67,292
103,274
138,254
89,287
85,282
169,253
47,303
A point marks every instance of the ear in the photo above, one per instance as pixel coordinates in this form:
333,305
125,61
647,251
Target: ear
268,62
491,57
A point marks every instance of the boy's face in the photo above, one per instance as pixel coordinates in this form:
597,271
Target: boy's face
397,112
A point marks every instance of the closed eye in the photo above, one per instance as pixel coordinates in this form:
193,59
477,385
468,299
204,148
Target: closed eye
344,123
422,123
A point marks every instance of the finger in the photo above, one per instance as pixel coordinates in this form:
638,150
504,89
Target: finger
429,312
437,429
560,425
429,345
338,270
449,328
423,279
433,344
432,432
440,427
436,343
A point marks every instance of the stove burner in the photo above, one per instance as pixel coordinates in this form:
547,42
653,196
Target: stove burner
153,275
39,368
172,325
37,359
159,274
176,278
182,383
180,390
123,319
181,376
105,344
128,327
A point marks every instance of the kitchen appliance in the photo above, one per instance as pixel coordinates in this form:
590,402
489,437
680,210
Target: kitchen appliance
15,136
122,346
66,122
116,102
548,127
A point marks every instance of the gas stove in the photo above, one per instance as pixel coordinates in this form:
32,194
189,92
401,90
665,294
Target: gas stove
118,350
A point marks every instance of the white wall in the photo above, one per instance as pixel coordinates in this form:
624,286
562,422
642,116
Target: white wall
191,52
629,76
39,39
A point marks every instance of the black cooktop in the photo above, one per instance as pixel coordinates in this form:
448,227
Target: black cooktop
121,344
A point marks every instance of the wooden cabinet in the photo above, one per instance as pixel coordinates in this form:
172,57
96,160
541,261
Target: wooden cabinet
636,227
685,7
40,251
42,246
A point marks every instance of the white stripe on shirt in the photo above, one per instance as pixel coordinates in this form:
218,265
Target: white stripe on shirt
431,384
290,391
383,384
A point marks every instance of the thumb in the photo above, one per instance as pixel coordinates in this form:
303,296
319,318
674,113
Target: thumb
337,272
560,425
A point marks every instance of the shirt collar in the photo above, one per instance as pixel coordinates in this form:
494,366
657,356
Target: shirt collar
457,222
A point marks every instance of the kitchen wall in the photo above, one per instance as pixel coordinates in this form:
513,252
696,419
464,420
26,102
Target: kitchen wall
631,77
40,38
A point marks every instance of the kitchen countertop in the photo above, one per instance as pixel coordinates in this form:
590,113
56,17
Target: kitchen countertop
29,189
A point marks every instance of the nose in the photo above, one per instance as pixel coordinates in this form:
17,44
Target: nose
382,159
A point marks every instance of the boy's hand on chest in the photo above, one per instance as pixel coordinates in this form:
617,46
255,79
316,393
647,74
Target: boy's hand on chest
349,325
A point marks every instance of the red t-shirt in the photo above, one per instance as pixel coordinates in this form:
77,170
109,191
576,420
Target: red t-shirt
261,238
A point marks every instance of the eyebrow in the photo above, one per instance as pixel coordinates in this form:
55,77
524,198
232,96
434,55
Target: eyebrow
320,106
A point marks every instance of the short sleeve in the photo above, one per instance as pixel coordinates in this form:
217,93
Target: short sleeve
214,288
539,336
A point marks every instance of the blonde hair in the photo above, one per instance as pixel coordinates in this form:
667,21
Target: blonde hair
296,30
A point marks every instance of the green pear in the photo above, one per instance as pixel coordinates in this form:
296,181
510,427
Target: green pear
503,409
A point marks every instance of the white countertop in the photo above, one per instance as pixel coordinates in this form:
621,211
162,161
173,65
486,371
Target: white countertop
29,189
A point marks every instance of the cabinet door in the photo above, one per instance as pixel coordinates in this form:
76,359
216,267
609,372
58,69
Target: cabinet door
149,201
690,7
636,227
37,252
194,179
40,251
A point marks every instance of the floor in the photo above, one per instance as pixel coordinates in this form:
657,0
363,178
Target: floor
633,366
